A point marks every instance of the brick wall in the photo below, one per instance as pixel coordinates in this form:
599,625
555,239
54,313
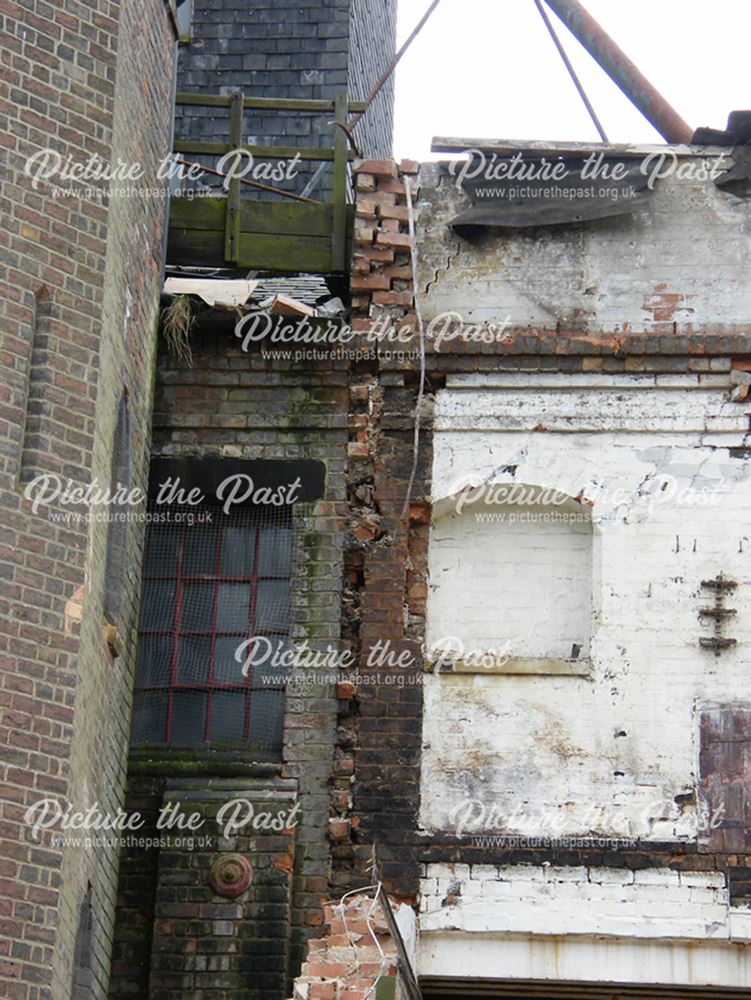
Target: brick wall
354,954
545,899
207,936
386,575
78,302
232,404
294,50
385,566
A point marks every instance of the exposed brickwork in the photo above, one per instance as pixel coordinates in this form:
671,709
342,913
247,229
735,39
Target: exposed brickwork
386,581
379,736
299,50
77,308
233,404
346,961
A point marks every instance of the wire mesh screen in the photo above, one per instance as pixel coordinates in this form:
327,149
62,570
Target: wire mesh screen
214,586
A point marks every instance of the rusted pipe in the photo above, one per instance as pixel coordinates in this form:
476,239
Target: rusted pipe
622,71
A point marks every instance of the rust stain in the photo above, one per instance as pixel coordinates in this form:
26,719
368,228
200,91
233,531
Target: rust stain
283,864
554,739
665,306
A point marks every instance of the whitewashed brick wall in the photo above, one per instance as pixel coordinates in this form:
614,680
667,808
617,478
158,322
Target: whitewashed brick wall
683,261
486,578
606,754
617,902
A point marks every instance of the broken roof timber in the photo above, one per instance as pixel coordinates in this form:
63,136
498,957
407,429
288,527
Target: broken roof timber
507,147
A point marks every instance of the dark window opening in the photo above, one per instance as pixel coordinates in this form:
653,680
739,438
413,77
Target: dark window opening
83,981
209,586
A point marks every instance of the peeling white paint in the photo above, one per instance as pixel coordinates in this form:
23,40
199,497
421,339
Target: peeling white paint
654,903
608,754
683,261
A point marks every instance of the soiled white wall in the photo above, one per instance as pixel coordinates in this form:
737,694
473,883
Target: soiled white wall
515,579
598,925
682,262
608,753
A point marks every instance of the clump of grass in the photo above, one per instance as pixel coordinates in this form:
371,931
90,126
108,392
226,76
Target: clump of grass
177,323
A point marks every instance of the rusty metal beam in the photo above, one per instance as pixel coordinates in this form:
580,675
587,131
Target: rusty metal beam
622,71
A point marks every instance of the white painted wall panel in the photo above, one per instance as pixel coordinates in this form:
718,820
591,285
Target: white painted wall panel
682,262
605,755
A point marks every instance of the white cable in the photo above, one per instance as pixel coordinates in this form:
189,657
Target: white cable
384,958
421,331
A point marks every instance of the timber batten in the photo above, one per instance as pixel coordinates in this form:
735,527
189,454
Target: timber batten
237,230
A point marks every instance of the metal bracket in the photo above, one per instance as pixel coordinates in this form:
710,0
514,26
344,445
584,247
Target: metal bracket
719,613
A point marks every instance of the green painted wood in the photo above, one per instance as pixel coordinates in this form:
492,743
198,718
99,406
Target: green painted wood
263,103
203,100
201,148
284,252
283,236
258,251
339,191
232,214
284,218
259,152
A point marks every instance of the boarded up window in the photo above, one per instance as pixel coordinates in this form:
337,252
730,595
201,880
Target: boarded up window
725,778
513,575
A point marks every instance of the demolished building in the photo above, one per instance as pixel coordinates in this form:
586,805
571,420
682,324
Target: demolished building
438,682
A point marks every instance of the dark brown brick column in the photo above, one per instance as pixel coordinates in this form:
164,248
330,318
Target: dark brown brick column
376,778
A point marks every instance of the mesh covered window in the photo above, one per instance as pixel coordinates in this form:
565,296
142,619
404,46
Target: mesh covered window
208,587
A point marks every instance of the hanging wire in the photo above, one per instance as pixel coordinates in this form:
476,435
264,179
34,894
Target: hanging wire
384,959
380,82
572,71
404,521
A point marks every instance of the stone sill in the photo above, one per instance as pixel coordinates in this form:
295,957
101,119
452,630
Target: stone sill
161,761
529,666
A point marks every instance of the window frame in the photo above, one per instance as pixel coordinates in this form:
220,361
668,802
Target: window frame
215,579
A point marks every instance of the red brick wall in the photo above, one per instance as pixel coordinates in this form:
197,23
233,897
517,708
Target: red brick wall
346,963
78,299
375,789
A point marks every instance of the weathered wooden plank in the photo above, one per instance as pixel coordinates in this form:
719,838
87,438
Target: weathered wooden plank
203,100
259,152
262,251
284,218
201,148
262,103
232,215
289,252
339,192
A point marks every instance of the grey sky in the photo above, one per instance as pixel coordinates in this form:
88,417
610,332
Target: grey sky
488,68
